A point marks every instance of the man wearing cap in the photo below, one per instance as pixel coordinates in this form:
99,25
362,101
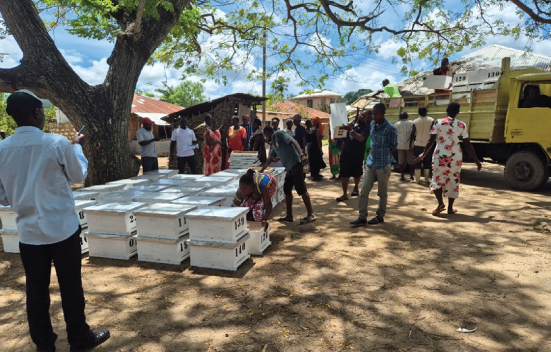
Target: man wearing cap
147,140
37,187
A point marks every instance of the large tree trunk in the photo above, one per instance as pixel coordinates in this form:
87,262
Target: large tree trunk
104,109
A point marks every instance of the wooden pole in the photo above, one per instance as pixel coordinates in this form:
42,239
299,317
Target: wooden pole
264,80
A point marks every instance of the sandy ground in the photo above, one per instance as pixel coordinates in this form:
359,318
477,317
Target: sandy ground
406,285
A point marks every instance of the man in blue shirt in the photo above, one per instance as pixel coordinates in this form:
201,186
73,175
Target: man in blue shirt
384,140
36,186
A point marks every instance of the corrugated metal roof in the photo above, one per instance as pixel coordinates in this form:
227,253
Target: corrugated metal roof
317,93
142,103
294,108
482,59
154,116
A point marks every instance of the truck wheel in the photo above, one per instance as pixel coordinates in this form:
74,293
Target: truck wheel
526,171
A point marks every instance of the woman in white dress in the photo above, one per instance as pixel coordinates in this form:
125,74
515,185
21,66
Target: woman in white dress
448,157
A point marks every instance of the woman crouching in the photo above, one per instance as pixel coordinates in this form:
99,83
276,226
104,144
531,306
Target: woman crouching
255,192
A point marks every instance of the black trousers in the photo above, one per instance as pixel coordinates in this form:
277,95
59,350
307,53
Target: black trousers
426,164
182,161
37,261
149,163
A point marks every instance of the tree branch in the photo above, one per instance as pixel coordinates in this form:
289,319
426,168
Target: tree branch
530,12
138,23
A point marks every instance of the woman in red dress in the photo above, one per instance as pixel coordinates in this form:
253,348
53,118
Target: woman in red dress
213,149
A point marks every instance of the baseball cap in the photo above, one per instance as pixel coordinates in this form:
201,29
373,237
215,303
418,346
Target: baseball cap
147,120
25,102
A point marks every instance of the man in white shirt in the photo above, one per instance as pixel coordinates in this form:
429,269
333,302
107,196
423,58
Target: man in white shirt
34,180
405,151
147,140
183,138
420,133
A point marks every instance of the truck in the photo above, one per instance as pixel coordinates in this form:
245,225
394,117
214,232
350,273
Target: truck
499,129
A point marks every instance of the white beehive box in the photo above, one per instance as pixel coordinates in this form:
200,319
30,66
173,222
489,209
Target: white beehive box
125,196
9,218
163,220
83,242
218,255
219,179
161,197
127,182
10,240
187,191
217,223
226,191
151,178
200,201
170,182
279,175
437,82
102,189
112,246
113,218
85,195
165,173
279,195
79,206
185,177
259,240
162,250
149,188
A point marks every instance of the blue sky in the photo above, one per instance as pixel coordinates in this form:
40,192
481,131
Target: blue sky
88,58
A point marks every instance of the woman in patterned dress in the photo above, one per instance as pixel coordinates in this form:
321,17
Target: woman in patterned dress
448,157
213,149
255,192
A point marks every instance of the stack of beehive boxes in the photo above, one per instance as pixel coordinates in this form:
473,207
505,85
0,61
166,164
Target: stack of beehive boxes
162,232
242,159
10,238
112,229
83,220
218,237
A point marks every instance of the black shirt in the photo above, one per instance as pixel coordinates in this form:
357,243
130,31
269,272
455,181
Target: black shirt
351,145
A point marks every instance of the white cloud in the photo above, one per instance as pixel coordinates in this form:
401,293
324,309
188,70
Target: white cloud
10,47
72,56
94,74
368,74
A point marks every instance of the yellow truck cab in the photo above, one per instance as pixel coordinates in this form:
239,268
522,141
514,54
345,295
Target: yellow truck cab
501,126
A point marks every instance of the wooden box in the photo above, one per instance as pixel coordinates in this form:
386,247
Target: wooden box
200,201
163,250
163,220
113,218
217,223
113,246
219,255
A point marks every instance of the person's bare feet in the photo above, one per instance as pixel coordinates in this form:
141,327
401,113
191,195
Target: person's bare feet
452,211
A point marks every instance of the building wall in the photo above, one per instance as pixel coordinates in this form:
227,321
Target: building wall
318,102
64,129
135,124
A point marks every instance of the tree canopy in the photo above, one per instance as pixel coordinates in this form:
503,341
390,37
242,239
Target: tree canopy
185,94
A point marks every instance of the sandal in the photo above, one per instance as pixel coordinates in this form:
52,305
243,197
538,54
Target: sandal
342,199
454,211
438,210
355,193
284,219
309,218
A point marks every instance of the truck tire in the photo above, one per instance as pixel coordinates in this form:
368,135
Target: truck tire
526,171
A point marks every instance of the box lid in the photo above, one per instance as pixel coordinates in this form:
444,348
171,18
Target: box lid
200,200
217,213
122,196
170,182
226,173
149,188
221,179
152,196
79,204
84,195
184,189
187,177
222,191
207,184
115,207
148,177
103,188
109,235
168,209
163,240
8,232
219,244
129,181
5,208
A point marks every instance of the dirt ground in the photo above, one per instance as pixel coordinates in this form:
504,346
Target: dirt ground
406,285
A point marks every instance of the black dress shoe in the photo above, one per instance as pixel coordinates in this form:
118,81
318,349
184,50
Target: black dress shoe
99,338
358,222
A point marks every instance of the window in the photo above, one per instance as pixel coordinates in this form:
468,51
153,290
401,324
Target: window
310,103
331,101
535,95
